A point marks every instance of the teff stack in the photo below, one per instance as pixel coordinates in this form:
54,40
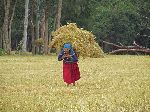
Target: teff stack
82,41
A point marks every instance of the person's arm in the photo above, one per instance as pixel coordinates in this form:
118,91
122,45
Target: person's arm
61,56
73,56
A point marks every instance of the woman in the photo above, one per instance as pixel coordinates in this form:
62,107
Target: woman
71,71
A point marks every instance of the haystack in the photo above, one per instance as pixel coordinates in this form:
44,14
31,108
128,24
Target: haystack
82,41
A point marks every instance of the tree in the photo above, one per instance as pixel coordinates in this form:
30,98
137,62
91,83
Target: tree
1,22
114,21
17,28
25,26
58,14
143,24
32,26
47,14
37,26
6,39
1,45
11,21
110,20
6,28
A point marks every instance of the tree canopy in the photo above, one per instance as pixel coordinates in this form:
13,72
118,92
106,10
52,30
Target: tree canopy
115,21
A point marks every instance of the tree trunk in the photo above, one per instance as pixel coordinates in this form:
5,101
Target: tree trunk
33,39
127,49
46,37
37,23
47,13
10,22
6,40
24,46
1,38
146,51
32,28
42,31
58,14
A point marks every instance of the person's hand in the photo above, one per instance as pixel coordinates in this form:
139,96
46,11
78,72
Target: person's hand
63,56
68,55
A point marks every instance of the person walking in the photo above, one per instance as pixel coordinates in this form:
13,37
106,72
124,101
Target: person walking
71,71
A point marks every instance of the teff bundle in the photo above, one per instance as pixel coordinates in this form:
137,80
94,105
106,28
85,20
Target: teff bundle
82,41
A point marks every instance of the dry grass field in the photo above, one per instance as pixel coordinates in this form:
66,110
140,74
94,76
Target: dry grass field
110,84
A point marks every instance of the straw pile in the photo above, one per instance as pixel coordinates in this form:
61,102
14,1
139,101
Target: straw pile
82,41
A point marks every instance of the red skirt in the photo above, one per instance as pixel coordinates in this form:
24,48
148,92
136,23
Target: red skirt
71,72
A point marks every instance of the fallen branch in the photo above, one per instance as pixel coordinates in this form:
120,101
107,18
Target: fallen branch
130,50
115,45
122,48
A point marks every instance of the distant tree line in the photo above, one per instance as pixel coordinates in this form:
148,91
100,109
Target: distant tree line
27,24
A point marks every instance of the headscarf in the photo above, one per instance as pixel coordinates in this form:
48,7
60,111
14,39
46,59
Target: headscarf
68,46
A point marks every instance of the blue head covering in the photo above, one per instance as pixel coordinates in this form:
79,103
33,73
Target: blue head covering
68,46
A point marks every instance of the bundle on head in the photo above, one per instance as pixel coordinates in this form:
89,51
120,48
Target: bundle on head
82,41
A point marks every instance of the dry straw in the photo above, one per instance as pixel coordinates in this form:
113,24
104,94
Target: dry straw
82,41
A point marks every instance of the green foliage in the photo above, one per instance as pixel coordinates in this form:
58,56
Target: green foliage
19,47
78,11
19,50
143,23
17,25
1,12
39,42
114,20
2,52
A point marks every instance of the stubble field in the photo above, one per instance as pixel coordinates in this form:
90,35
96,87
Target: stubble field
110,84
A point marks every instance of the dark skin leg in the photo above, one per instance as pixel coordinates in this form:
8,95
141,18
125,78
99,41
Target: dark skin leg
74,84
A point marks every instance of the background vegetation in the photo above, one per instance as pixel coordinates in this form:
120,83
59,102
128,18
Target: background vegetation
115,21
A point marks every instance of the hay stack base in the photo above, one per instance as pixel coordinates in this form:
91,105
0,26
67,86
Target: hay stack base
82,41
